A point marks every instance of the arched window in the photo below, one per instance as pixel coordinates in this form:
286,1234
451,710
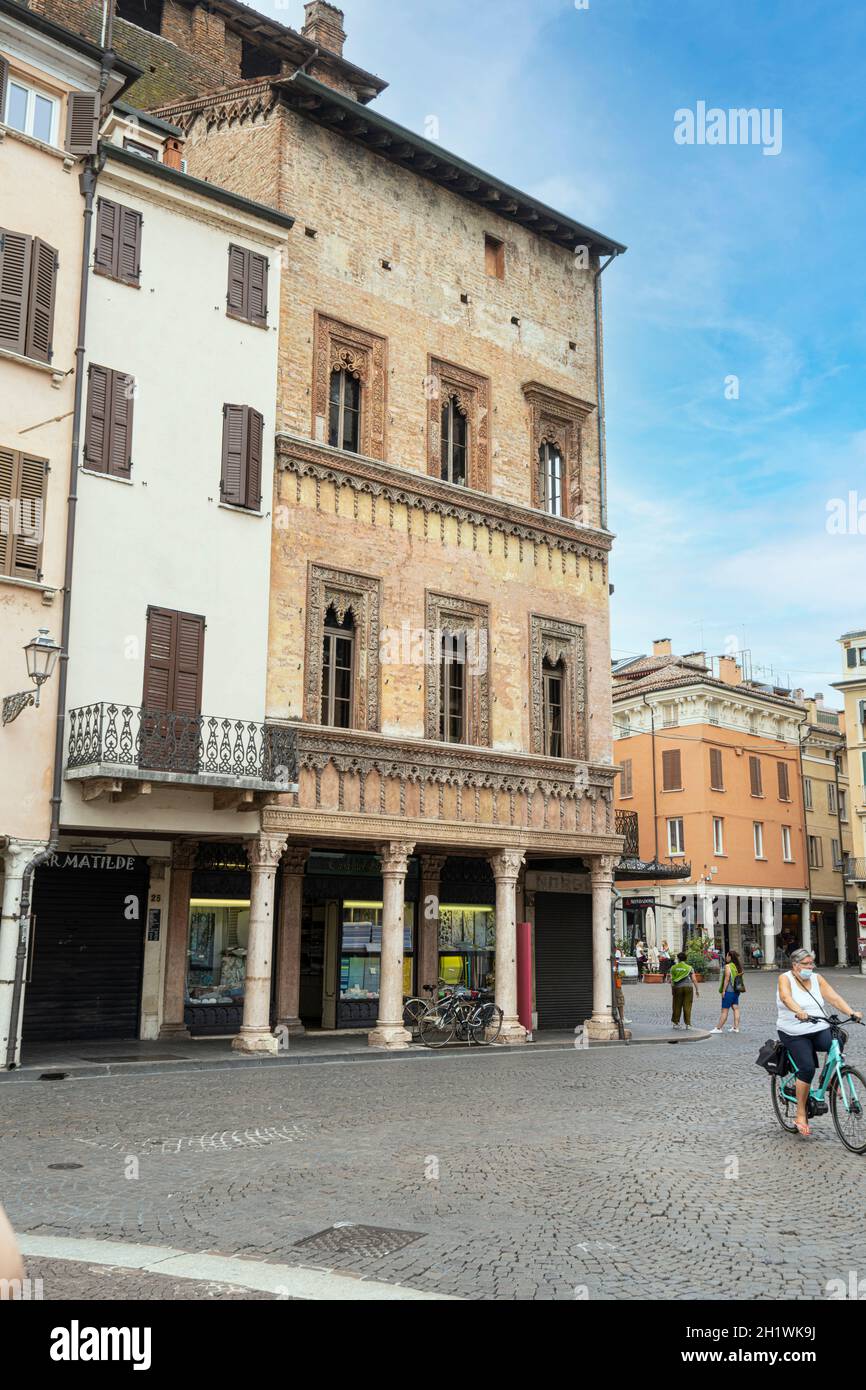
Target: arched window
554,723
455,436
452,688
550,474
344,428
337,670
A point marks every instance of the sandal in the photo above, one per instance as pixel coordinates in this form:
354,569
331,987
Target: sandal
803,1129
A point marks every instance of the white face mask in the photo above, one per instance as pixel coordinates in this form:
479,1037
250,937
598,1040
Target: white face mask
805,974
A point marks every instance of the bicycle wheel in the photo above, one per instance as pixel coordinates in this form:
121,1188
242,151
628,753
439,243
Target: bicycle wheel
485,1025
436,1027
413,1010
785,1108
848,1108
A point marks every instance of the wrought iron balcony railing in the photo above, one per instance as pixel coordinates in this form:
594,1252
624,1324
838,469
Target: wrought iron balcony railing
125,741
855,870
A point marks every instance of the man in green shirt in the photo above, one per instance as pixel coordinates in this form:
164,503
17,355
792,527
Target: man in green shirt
683,991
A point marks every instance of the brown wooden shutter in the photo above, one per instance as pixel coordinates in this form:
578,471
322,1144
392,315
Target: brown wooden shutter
8,459
255,431
107,236
189,664
40,309
159,660
119,461
4,73
258,289
96,429
671,770
755,780
26,557
626,784
82,122
233,479
16,252
237,296
717,773
129,246
784,787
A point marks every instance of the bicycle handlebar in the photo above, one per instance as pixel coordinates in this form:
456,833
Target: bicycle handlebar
834,1018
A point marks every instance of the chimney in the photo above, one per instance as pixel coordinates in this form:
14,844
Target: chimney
323,25
172,153
729,671
696,658
662,647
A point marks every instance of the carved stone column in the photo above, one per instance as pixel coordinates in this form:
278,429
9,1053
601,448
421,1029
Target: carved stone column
428,921
183,856
289,938
255,1035
389,1030
506,866
601,1025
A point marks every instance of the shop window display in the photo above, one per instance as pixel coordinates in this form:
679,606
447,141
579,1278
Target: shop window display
217,958
467,945
360,957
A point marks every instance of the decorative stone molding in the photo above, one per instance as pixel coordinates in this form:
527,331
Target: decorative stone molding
266,850
234,106
472,392
401,487
395,858
445,613
556,418
506,864
360,595
602,869
294,861
338,347
183,854
553,640
432,866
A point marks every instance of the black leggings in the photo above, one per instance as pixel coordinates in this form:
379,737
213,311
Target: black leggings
805,1048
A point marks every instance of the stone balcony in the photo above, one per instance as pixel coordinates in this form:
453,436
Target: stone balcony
370,788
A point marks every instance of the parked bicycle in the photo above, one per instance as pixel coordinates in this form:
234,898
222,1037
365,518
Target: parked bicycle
841,1088
416,1006
468,1015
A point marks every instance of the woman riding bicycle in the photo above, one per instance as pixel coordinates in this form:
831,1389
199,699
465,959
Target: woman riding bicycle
798,1001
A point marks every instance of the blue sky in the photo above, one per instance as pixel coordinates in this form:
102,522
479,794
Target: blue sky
739,264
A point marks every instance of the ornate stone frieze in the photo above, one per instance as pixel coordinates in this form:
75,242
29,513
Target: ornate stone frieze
553,640
360,595
392,487
234,106
472,393
341,346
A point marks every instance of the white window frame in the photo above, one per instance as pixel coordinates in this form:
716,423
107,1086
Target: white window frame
676,840
786,845
758,838
807,793
843,805
718,835
32,93
831,798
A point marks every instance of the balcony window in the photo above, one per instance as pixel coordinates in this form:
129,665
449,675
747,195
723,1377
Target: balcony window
344,422
337,671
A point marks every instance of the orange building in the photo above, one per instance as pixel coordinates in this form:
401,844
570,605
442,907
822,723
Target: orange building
711,765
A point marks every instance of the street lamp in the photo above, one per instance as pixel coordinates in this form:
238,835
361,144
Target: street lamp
41,654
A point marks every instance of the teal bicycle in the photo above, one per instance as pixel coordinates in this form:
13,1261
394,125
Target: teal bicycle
841,1088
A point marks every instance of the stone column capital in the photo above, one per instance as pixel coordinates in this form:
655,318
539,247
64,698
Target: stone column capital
395,857
602,868
506,864
265,851
294,859
183,854
432,865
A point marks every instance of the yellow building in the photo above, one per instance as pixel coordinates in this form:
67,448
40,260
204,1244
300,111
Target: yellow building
853,687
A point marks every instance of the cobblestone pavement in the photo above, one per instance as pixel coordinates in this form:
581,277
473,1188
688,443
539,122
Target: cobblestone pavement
646,1172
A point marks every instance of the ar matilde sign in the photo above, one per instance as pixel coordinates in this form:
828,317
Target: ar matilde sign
92,861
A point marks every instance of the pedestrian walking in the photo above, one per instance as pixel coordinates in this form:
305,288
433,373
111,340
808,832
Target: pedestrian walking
684,991
757,957
666,960
641,958
731,986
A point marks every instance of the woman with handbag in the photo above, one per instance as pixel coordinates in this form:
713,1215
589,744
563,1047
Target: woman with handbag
731,986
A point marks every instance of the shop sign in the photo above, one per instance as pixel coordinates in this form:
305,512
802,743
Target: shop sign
638,902
537,881
125,863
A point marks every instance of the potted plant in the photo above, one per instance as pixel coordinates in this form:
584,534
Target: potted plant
698,958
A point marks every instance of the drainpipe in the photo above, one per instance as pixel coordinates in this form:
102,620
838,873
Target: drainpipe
602,460
805,724
616,901
87,182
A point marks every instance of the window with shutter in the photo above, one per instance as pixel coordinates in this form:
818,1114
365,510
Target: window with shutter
40,309
672,778
756,780
626,784
784,784
173,671
82,122
15,256
247,295
4,73
108,426
117,250
717,770
22,503
241,477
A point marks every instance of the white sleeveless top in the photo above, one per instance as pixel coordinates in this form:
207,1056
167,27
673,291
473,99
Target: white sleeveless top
810,1001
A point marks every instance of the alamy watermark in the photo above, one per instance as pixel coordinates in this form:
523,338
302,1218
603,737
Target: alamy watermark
712,125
